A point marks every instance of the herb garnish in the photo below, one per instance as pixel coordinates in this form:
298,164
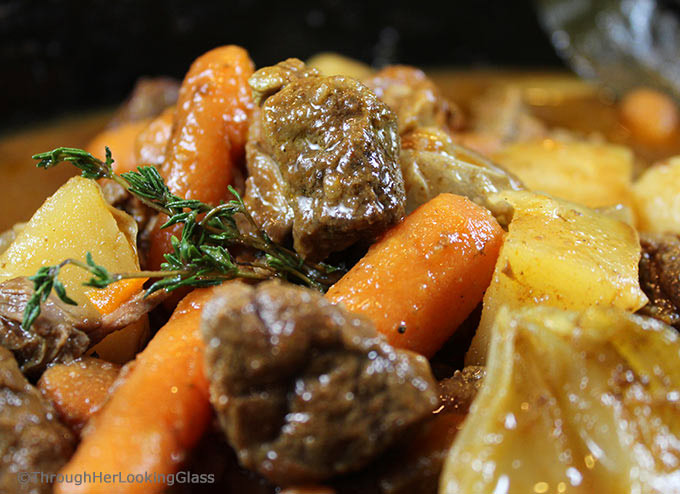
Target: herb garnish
199,258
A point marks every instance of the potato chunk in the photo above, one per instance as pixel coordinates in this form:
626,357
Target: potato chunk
657,198
72,222
560,254
587,173
575,403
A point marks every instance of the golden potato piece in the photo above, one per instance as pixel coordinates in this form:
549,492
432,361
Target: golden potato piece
657,198
591,174
560,254
334,64
72,222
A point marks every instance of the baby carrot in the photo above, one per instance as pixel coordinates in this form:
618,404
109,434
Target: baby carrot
121,141
423,278
209,134
157,413
78,389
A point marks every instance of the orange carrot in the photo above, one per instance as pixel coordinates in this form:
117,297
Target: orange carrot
424,277
121,141
157,413
209,134
650,115
78,389
108,299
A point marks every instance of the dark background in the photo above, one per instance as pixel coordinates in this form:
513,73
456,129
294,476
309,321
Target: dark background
65,56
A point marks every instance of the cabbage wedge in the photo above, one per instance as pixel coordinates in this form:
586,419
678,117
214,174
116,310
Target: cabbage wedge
573,402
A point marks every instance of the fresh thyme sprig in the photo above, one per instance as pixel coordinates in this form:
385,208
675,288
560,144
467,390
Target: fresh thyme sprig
199,258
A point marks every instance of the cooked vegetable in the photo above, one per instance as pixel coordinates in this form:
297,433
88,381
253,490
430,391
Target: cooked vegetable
651,116
322,160
31,438
432,164
500,117
572,402
592,174
79,389
560,254
335,64
63,228
157,413
122,142
660,277
657,198
208,137
9,236
420,281
108,299
304,389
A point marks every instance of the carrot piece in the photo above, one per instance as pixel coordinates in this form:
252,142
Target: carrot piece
108,299
423,278
121,141
650,115
154,416
209,135
78,389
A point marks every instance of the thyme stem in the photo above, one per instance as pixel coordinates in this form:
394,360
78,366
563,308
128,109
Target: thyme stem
200,257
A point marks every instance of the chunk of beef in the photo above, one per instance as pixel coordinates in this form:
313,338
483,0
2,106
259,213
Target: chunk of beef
149,97
414,98
459,391
266,191
54,336
322,157
433,164
31,438
213,456
269,80
303,389
660,277
61,333
415,462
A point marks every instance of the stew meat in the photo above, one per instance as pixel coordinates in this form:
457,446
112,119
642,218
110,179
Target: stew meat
58,335
304,389
323,160
660,277
61,333
415,99
31,438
